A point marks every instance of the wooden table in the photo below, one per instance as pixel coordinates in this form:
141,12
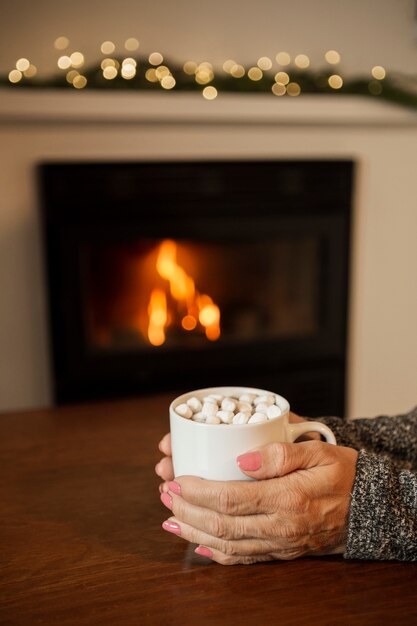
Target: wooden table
81,539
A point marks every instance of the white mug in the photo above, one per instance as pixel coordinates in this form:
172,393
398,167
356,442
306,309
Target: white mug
210,450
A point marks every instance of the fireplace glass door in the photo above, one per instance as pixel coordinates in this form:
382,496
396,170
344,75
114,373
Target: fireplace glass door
187,294
173,276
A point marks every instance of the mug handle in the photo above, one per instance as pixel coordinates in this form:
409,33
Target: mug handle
301,428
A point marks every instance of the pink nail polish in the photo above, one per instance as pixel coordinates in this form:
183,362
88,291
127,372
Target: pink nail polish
175,488
203,551
171,527
251,461
167,500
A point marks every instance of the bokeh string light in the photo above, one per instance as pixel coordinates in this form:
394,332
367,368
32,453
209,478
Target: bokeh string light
284,74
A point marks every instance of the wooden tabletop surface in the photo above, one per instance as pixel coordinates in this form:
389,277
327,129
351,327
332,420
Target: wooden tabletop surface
81,539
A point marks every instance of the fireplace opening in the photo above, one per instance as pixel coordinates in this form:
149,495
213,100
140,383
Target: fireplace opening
184,294
171,276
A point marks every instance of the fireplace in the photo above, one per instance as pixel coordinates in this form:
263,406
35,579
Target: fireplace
177,275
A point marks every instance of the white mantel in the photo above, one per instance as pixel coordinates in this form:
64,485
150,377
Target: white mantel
382,138
95,106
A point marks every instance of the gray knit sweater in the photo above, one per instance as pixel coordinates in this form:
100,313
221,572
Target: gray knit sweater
383,511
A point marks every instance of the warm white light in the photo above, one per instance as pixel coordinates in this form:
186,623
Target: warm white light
293,89
61,43
168,82
79,82
282,77
335,81
278,89
255,73
190,67
227,65
302,61
150,75
110,72
71,75
77,59
204,73
161,72
131,44
128,71
332,57
15,76
129,61
22,64
107,63
155,58
237,71
377,72
210,92
31,71
64,62
264,63
283,58
107,47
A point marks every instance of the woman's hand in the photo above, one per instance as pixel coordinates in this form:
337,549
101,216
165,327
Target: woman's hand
298,505
165,470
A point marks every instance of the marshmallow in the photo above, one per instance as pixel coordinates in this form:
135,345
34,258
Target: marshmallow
217,397
241,418
248,408
209,408
257,418
184,410
273,411
267,399
247,397
228,404
194,404
225,416
199,417
262,407
213,419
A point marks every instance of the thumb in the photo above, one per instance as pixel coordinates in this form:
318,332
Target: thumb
278,459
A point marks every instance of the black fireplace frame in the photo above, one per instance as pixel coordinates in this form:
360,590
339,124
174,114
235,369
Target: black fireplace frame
83,201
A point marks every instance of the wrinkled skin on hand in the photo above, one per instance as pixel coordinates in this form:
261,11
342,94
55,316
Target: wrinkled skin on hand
297,506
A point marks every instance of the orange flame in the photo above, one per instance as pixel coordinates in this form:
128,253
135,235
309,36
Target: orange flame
183,291
157,310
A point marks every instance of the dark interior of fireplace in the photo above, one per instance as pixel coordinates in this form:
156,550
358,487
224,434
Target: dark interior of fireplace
170,276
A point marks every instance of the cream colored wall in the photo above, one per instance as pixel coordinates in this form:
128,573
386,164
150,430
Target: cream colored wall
383,336
383,343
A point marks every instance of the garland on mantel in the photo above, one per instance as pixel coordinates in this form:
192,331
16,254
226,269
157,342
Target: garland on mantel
136,74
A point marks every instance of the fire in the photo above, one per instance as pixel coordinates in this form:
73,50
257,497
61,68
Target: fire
157,311
194,308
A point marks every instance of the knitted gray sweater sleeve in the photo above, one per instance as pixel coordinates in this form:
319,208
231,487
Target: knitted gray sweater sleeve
383,512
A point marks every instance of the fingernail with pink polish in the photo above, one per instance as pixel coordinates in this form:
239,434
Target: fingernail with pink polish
203,551
167,500
175,488
171,527
251,461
